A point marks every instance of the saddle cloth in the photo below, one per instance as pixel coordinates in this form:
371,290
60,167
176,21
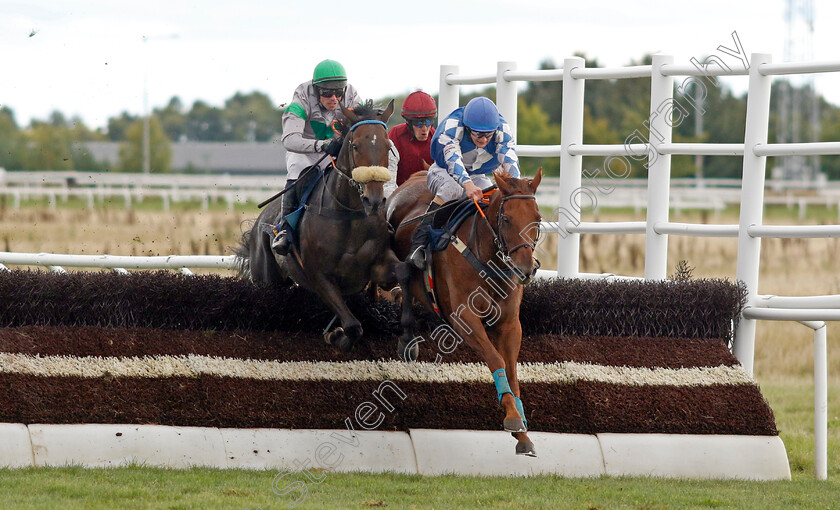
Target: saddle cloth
441,235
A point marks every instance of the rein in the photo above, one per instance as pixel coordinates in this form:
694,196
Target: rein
498,240
347,212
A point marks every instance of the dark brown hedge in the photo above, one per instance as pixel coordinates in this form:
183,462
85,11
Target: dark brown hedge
283,346
160,299
582,408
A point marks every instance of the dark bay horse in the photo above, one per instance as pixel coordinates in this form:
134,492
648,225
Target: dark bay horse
479,299
344,240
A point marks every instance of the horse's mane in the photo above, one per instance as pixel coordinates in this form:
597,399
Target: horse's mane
367,110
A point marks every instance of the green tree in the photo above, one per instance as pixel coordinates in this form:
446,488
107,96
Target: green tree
724,121
533,128
117,126
131,151
205,123
49,145
830,133
173,120
252,117
12,141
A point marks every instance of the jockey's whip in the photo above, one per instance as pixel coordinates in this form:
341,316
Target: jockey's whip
280,194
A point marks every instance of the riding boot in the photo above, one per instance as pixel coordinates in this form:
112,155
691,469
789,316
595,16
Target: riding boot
420,239
282,242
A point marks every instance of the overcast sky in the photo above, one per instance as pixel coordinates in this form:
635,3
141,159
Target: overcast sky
88,58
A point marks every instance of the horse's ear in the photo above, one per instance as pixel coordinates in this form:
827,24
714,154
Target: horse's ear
348,114
533,183
502,181
388,111
339,127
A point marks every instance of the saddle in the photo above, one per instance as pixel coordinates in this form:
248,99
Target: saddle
443,228
441,235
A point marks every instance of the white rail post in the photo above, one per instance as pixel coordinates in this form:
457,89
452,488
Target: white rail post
448,95
506,95
820,403
752,202
570,201
659,168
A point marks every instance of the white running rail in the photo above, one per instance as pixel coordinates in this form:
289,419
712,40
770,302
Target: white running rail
666,111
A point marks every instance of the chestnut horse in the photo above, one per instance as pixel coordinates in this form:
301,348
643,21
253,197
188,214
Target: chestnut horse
344,239
478,289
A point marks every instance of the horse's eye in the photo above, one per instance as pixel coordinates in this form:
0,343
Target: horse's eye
506,219
355,147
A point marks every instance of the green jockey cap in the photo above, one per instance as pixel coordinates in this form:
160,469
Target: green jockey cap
329,74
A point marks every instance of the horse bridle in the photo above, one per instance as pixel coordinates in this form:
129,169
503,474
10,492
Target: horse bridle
356,184
499,239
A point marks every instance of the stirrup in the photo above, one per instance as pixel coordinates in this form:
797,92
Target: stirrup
280,243
418,257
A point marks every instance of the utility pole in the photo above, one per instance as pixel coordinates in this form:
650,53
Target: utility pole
798,106
147,143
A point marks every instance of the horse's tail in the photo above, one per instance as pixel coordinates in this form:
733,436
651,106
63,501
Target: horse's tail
243,253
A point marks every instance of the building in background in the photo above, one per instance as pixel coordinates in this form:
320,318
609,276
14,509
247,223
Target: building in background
209,157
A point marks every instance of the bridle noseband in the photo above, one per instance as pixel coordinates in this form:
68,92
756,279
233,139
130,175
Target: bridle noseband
499,238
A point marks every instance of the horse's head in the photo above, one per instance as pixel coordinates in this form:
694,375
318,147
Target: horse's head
365,152
517,222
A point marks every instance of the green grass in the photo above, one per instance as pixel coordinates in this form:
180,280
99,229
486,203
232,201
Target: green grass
139,488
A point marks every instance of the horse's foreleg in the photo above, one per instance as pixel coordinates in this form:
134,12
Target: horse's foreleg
384,272
407,348
470,327
350,330
508,341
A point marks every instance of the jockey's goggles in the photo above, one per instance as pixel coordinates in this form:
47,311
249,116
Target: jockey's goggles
482,134
338,93
420,122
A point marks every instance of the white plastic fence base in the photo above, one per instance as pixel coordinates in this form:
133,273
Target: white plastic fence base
490,453
339,450
695,456
419,451
99,445
15,446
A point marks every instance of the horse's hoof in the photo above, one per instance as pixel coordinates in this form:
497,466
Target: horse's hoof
408,352
515,425
344,344
526,449
330,337
338,338
353,332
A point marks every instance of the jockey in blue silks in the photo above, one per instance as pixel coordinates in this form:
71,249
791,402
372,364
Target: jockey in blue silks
468,145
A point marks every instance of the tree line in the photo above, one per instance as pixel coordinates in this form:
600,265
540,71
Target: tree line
614,109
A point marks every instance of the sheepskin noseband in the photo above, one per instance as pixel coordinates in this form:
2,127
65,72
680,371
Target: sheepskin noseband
366,174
